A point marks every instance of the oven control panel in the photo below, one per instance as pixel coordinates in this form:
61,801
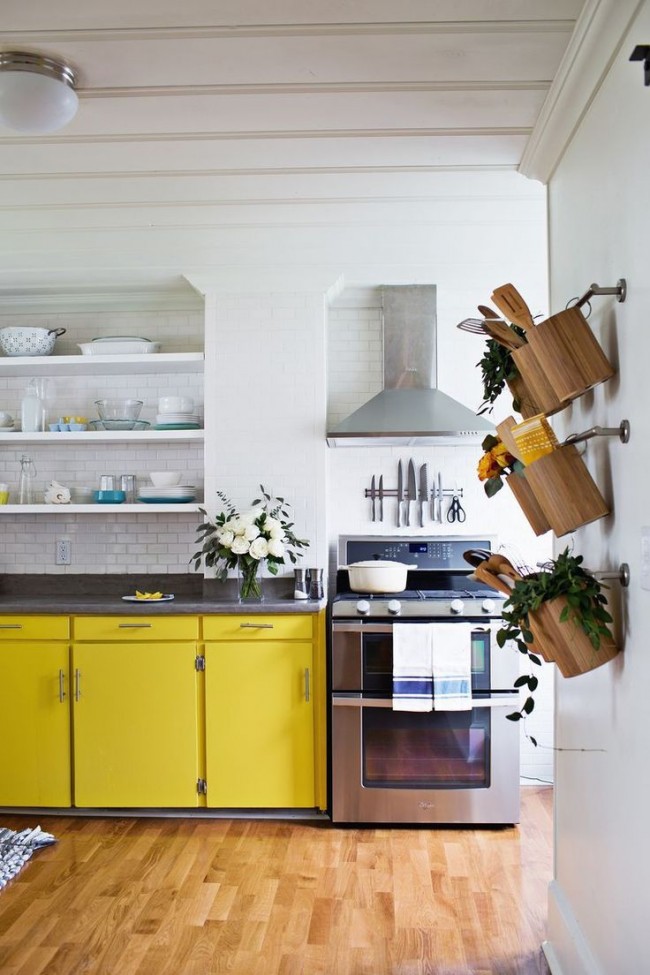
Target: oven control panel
383,607
442,552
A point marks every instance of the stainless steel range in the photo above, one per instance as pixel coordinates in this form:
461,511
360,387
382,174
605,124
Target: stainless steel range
439,765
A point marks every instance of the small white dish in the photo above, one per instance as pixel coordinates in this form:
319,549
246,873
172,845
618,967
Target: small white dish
123,347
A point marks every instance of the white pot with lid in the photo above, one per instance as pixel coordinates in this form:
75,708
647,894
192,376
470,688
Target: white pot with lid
377,576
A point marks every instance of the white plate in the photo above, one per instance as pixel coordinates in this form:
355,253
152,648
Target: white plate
176,489
177,418
135,599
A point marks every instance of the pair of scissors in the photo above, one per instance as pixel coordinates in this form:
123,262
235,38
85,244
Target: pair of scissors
456,511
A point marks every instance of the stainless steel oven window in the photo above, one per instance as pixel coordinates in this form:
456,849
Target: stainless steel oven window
441,750
363,658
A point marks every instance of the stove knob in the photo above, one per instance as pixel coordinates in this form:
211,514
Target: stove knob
363,607
488,605
456,606
394,607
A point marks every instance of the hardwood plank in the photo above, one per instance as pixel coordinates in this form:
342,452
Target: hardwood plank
257,897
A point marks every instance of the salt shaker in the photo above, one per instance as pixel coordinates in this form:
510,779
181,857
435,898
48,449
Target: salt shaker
301,584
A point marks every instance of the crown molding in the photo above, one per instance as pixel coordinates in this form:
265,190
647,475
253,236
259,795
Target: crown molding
258,279
596,40
79,298
291,30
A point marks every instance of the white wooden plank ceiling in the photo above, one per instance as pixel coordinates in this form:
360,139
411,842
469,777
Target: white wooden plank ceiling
199,121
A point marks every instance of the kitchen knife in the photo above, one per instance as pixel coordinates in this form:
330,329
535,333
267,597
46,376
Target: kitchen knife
439,518
373,495
400,490
411,491
381,498
424,492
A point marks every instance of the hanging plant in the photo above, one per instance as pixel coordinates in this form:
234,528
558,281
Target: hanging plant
584,608
497,369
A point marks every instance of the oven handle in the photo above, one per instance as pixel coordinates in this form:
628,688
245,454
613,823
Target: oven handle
362,627
387,702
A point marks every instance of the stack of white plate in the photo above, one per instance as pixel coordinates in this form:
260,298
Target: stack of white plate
169,421
178,494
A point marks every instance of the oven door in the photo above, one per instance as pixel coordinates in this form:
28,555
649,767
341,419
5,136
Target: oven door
433,767
412,767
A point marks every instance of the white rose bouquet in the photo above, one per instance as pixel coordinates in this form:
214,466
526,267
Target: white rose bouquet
264,534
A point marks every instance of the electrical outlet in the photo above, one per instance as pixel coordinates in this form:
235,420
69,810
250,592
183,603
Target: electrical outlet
63,551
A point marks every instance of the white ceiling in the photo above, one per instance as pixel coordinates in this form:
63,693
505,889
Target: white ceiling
205,124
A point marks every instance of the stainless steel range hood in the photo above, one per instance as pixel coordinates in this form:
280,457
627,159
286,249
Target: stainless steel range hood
410,410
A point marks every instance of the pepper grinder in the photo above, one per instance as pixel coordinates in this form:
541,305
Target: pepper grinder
316,590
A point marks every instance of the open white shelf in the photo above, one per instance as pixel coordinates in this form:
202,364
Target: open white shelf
101,365
139,508
103,436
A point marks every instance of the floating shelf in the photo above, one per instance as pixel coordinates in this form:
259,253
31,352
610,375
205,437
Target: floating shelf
139,508
102,365
104,436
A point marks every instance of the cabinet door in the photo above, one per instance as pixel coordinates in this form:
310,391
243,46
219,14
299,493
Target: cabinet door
135,724
34,724
259,724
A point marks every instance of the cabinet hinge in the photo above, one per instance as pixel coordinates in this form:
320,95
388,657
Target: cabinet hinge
199,663
202,787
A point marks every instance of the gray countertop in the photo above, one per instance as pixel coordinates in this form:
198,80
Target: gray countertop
102,595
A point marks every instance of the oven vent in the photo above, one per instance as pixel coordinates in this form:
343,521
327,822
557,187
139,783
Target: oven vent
410,410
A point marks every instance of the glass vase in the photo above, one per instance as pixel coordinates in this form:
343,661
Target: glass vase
249,578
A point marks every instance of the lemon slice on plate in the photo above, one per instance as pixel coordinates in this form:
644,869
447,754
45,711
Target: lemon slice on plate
148,595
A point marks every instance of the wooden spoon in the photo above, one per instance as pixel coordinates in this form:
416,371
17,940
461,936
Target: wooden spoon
503,334
491,580
509,301
487,312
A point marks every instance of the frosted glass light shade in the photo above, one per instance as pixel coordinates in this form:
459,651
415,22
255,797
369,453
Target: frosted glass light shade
36,94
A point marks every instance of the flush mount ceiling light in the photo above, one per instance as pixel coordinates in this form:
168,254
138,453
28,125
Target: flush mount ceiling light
37,93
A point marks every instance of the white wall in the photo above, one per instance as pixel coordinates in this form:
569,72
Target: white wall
267,375
599,207
355,375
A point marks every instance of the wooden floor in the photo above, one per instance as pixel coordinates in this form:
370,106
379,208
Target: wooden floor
197,897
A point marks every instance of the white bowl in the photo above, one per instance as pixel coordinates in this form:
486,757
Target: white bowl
175,404
165,478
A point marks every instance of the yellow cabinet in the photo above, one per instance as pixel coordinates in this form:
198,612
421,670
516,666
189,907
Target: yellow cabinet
35,712
135,721
259,724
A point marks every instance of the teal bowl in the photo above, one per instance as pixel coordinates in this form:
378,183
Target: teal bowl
109,497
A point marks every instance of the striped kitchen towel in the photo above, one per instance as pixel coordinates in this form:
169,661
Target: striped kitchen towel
412,667
451,649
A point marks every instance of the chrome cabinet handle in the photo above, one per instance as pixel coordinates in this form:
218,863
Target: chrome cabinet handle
61,686
256,626
387,702
134,626
307,685
77,684
11,626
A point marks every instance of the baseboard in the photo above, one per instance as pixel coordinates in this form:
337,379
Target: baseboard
566,950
